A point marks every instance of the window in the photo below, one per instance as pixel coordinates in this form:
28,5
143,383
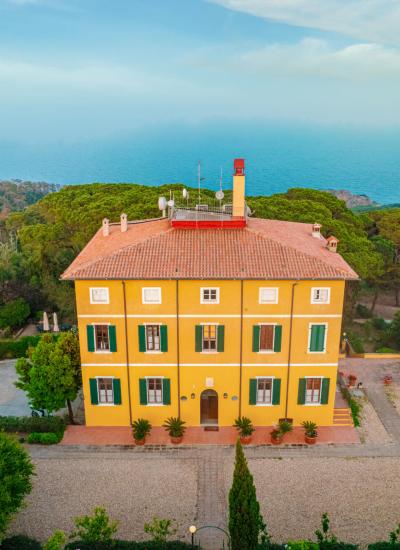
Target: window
99,296
209,295
154,391
264,390
102,340
105,390
153,342
209,337
268,295
151,295
320,295
313,391
317,338
267,337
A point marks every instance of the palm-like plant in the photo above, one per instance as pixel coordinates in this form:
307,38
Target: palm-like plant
244,426
175,426
310,428
141,428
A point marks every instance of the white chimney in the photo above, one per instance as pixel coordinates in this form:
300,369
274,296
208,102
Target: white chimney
316,230
106,227
124,223
332,243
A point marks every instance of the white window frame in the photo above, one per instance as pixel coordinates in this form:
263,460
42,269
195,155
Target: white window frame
93,301
309,340
203,300
147,378
260,292
320,392
153,351
95,340
314,301
147,302
273,342
272,390
210,351
98,392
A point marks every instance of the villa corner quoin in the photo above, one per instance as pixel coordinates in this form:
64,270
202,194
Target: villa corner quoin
208,313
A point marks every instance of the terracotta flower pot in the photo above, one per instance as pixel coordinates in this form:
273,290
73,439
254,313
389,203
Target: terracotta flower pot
140,441
310,440
245,439
388,380
176,440
276,440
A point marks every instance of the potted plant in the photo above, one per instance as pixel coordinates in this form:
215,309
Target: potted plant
175,427
281,429
245,428
352,379
140,429
310,432
388,380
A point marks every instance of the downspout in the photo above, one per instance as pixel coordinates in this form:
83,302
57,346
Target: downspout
241,349
127,354
290,349
178,350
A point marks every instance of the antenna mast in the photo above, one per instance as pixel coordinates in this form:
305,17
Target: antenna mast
199,177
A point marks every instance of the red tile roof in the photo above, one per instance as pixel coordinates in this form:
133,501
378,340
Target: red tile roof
264,249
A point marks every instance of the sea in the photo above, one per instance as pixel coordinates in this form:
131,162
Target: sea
278,156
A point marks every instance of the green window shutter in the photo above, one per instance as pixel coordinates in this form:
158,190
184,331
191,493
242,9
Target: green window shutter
220,337
166,391
142,338
112,335
90,337
143,391
278,338
253,391
317,338
117,391
325,391
94,396
301,398
199,338
256,338
276,391
164,337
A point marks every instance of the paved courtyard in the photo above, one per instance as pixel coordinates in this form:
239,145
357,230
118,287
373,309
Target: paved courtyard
13,401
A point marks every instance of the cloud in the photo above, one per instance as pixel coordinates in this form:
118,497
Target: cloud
365,20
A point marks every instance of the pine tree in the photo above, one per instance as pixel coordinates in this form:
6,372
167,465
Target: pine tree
245,521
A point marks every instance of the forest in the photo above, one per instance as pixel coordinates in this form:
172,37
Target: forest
39,242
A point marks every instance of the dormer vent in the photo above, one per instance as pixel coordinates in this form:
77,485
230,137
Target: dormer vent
332,243
106,227
316,230
124,223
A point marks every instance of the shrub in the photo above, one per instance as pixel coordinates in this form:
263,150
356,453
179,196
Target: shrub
302,545
29,424
131,545
386,350
56,541
244,426
160,529
20,542
95,528
14,314
44,438
356,342
363,312
10,349
379,323
384,545
175,426
327,540
355,406
141,428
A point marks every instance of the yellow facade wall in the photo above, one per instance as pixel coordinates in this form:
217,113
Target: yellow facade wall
223,368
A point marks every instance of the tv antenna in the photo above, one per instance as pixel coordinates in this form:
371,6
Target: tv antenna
199,178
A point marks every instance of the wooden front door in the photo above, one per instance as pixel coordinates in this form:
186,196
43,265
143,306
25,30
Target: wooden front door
209,407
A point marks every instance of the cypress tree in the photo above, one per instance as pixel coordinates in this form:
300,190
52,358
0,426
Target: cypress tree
245,521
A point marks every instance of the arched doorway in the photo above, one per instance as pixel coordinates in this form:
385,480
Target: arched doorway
209,408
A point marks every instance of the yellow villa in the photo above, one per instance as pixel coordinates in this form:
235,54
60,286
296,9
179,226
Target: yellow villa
209,314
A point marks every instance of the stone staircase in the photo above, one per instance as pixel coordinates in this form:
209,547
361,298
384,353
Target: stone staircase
342,417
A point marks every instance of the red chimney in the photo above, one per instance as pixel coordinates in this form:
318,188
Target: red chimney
238,167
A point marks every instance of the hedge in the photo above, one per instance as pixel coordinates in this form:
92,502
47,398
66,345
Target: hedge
384,545
44,438
10,349
30,424
20,542
129,545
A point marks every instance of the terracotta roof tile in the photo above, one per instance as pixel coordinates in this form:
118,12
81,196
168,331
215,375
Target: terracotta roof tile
265,249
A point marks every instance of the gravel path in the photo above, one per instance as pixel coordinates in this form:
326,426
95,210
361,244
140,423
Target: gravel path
132,489
372,429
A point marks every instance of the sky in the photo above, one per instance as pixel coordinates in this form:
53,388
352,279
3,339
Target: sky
79,69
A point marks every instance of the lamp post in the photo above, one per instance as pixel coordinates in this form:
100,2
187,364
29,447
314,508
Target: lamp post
192,531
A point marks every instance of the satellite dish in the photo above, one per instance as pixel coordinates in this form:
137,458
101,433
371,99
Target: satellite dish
171,203
219,195
162,203
185,193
